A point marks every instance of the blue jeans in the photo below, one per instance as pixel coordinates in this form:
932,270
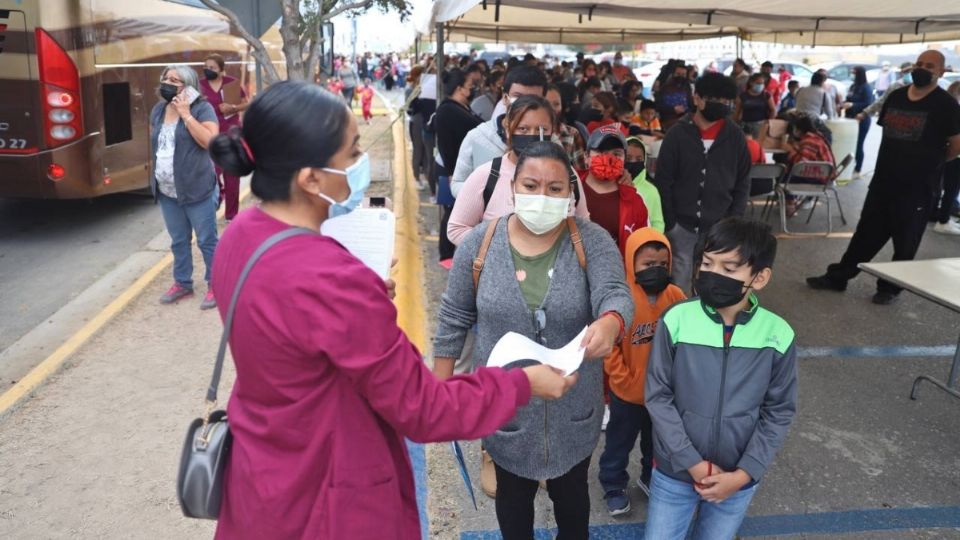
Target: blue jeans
673,505
181,222
627,420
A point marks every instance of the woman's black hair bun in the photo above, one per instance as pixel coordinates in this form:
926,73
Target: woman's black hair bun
231,154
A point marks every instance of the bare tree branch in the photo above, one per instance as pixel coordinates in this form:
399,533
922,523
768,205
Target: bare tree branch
259,51
362,4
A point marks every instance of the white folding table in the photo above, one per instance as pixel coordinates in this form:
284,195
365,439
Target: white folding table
937,280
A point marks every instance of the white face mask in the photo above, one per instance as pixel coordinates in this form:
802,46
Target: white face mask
540,214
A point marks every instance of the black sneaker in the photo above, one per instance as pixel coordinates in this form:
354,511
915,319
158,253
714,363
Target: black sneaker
884,298
824,283
618,503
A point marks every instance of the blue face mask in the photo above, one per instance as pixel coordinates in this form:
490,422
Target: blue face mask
358,180
758,88
908,78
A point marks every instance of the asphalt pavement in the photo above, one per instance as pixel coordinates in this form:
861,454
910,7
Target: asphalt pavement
52,251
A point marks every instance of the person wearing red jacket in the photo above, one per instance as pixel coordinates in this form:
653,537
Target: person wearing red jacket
613,204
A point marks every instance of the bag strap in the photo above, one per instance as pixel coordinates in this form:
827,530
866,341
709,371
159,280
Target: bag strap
492,180
577,240
228,323
478,261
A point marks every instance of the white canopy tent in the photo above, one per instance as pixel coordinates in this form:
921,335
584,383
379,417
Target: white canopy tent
801,22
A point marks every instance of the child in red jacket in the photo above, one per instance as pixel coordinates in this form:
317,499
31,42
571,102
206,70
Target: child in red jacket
613,202
365,93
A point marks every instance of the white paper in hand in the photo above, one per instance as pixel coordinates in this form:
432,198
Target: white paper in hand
367,233
514,347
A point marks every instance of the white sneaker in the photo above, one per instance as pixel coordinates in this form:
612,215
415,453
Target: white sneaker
949,227
857,175
606,418
421,185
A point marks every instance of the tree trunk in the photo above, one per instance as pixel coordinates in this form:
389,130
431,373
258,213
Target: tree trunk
290,32
259,52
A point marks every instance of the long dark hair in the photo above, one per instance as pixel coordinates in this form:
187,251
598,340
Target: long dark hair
859,76
291,125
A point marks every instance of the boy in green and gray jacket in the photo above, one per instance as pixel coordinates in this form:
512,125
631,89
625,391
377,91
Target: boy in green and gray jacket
721,389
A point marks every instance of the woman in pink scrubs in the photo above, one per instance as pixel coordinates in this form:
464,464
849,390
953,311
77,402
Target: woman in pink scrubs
327,385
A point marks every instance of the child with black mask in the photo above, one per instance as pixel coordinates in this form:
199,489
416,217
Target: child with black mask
647,261
721,389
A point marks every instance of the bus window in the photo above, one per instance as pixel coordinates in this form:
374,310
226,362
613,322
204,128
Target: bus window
116,113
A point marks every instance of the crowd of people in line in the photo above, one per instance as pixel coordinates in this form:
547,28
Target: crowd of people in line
551,227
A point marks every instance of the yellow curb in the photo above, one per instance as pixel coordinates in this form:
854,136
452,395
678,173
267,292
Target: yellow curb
408,273
53,363
375,112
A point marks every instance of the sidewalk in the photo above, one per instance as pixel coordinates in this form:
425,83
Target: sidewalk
94,453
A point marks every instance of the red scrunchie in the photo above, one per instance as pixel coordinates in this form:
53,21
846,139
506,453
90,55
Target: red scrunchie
606,167
246,148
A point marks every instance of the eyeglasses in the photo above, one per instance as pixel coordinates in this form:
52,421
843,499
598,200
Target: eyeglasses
539,323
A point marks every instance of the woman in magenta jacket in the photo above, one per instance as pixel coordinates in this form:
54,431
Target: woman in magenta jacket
328,386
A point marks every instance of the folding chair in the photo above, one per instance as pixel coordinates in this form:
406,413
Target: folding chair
763,183
813,170
847,160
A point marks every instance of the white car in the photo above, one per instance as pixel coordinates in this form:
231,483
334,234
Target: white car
647,74
839,74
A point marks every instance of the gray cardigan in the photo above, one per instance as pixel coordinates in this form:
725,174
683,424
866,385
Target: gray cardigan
546,438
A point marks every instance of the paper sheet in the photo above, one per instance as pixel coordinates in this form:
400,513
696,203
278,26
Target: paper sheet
514,347
367,233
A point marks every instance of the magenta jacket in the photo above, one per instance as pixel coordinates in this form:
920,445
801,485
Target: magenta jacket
327,388
216,98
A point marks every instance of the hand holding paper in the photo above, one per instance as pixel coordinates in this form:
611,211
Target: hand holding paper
514,347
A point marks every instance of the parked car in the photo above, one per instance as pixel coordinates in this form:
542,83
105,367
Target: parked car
490,56
840,73
948,78
647,74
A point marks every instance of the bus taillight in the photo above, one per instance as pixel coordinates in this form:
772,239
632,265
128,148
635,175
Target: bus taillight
56,172
60,84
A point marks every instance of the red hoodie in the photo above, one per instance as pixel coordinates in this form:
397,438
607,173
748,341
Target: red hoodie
633,212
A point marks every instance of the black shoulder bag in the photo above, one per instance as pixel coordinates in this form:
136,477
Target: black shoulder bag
207,448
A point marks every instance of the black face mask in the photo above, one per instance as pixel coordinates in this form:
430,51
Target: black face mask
714,110
654,279
922,77
633,167
592,115
520,143
168,91
210,74
719,291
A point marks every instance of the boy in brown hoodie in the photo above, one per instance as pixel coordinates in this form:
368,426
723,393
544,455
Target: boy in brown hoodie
648,264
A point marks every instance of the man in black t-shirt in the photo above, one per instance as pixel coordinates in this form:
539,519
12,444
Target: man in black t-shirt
921,130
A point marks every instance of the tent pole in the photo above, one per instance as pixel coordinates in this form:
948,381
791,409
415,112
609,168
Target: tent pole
440,61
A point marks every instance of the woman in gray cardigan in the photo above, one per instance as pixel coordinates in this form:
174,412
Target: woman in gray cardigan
534,283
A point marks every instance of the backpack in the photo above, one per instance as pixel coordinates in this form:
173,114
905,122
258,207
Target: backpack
480,259
494,177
